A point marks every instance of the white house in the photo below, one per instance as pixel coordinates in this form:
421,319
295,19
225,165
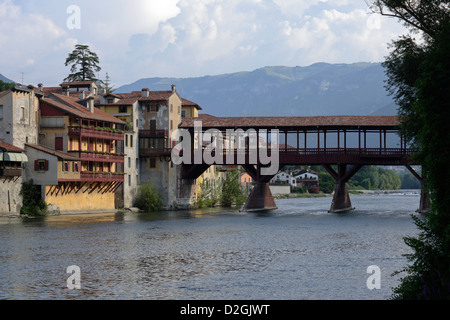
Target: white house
285,178
307,176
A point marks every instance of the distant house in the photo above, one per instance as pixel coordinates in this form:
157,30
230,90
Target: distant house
245,179
284,177
307,179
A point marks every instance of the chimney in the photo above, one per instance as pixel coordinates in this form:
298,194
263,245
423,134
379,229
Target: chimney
40,86
90,104
65,90
82,95
174,88
145,93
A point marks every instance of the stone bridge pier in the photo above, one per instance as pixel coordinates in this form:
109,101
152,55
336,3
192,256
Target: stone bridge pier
260,198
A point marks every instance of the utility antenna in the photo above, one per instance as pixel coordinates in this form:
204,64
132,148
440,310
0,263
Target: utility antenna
22,77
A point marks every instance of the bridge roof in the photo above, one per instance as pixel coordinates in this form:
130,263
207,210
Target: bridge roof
293,122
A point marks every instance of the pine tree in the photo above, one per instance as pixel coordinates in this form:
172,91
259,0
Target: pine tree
84,64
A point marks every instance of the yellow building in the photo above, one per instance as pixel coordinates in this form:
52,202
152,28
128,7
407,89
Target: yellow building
79,161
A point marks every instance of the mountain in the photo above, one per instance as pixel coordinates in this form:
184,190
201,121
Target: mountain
5,79
319,89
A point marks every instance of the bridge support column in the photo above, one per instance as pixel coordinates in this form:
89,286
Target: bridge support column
341,199
424,206
260,198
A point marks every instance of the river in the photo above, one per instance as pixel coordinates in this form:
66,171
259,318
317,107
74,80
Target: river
298,252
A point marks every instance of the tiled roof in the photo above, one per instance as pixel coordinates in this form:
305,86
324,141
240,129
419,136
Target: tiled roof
10,148
59,154
187,103
77,83
69,104
323,121
157,96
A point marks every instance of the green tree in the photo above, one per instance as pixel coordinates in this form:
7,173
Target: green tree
33,205
232,193
210,193
419,80
148,199
4,86
106,84
84,64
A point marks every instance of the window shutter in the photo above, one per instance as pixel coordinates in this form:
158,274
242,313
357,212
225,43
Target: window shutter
46,165
36,165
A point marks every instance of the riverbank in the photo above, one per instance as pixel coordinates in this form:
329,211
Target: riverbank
366,192
301,195
399,191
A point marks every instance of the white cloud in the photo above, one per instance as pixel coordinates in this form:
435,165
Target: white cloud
144,38
27,40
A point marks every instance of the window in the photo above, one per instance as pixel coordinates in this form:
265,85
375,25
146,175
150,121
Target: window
131,141
129,180
122,109
41,165
65,166
59,144
183,114
110,100
152,163
75,167
129,162
171,107
171,124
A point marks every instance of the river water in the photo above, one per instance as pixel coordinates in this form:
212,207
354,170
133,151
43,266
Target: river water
298,252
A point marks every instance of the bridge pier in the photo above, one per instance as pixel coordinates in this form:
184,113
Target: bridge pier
341,199
260,198
424,206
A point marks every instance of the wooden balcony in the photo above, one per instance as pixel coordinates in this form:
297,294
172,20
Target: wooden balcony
99,156
100,133
153,133
102,176
10,172
149,152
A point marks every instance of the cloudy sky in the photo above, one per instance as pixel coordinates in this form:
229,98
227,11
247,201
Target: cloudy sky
186,38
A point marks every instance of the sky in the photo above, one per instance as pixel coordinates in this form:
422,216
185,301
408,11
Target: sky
137,39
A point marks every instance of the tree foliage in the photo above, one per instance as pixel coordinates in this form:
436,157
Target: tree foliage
210,193
84,64
33,205
147,199
4,86
419,80
232,193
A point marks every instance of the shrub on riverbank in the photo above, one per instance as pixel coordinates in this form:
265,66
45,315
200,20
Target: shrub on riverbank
33,205
148,199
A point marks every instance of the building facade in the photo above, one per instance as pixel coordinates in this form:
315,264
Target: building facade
82,151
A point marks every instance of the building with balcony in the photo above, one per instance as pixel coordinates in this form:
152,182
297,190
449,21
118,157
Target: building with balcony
83,148
151,118
12,162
